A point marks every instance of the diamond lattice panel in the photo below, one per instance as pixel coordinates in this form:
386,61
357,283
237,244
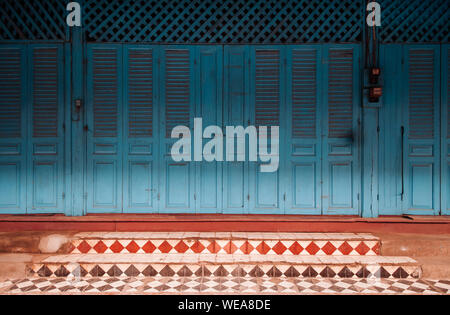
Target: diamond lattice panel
228,21
32,20
414,21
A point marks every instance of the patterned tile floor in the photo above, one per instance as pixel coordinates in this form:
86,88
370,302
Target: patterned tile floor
221,285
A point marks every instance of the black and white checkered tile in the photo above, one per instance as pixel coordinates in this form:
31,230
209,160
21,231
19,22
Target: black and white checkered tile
222,285
344,271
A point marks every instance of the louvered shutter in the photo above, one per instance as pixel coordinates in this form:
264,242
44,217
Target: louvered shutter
421,140
177,85
45,92
265,187
46,163
140,93
10,93
105,125
340,93
139,145
340,170
267,87
12,135
177,178
303,143
304,93
105,94
421,98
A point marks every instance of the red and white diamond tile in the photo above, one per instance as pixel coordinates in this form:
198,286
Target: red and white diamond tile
249,244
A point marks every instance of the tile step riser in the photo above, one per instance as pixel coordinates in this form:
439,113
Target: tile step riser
242,247
343,271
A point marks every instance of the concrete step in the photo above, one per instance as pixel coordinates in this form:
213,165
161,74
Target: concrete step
416,245
437,267
286,244
185,265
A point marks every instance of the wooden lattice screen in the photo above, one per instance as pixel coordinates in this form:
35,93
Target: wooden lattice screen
225,21
414,21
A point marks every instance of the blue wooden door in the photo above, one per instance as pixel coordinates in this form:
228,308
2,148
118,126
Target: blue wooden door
140,147
267,87
341,130
421,136
409,130
191,87
122,129
45,165
323,137
177,179
137,94
13,128
304,120
32,129
445,123
104,105
312,94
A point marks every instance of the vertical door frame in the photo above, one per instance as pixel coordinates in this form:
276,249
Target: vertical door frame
218,51
76,140
391,56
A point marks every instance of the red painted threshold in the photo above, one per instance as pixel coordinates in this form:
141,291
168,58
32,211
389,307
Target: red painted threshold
225,222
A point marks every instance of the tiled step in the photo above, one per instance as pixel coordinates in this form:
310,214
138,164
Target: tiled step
223,285
286,244
186,265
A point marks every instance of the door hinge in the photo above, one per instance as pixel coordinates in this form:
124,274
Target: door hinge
248,197
195,196
378,129
284,196
158,196
357,196
63,196
378,197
